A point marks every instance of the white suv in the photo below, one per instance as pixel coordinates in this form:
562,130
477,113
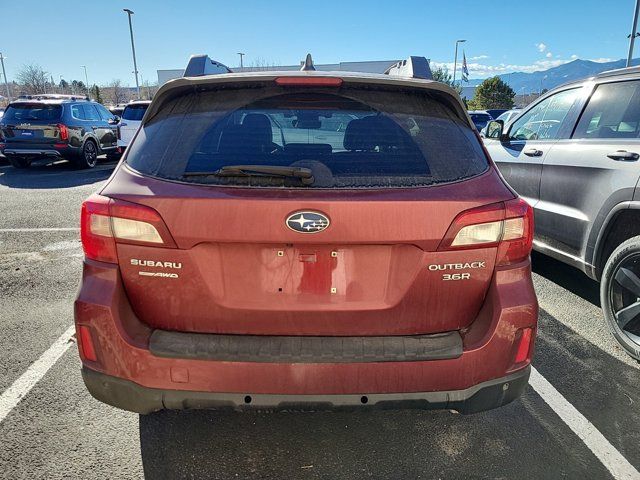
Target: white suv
130,122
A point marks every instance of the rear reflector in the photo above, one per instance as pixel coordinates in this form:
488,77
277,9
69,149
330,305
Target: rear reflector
308,81
106,222
507,225
85,343
522,354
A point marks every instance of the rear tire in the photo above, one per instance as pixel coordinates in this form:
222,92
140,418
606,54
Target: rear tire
88,157
20,162
620,295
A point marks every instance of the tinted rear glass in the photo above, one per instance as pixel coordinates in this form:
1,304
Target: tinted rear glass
134,112
358,139
32,112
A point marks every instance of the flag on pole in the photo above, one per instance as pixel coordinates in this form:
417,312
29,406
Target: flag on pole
465,70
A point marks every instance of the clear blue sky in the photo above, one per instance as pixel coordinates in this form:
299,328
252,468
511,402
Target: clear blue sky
502,36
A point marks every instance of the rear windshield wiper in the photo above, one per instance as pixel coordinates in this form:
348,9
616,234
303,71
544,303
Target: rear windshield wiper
304,174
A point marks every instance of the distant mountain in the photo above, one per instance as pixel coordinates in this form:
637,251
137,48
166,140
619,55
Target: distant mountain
522,82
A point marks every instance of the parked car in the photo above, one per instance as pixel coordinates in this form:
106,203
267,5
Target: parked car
496,112
116,109
130,121
237,259
480,118
56,127
573,155
505,117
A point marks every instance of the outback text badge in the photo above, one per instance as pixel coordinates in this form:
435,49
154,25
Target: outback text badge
307,222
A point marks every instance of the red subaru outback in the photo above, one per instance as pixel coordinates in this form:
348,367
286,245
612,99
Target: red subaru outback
306,240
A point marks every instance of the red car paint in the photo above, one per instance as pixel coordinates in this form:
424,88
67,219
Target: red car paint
228,264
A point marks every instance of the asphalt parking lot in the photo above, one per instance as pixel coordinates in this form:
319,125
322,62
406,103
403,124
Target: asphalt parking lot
579,419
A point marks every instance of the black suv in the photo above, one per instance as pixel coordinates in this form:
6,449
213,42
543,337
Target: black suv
574,155
57,126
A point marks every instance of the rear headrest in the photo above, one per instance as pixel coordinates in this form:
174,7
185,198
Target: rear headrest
371,132
355,136
257,127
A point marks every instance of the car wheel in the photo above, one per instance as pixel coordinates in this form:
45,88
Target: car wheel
88,156
620,295
19,162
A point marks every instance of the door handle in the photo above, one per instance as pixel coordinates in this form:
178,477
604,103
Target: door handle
533,152
623,155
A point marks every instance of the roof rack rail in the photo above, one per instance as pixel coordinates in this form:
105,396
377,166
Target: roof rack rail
200,65
412,67
52,96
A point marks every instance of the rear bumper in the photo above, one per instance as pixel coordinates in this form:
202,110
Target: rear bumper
136,398
36,151
129,374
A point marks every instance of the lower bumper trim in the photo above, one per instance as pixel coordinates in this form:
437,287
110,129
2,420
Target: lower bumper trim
130,396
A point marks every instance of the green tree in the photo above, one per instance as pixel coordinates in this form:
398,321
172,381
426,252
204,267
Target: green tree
96,94
492,93
442,75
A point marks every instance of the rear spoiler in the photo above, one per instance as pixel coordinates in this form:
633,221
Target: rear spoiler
412,67
200,65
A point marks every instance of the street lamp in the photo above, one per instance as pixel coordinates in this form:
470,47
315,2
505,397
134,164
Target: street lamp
86,79
542,80
634,33
133,50
6,84
455,60
241,55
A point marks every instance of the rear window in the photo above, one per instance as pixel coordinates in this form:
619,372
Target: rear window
134,112
363,138
32,112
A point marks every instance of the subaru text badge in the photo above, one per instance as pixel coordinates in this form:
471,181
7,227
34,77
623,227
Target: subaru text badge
307,222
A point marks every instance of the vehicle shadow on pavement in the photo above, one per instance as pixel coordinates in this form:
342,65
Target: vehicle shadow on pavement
567,277
364,444
54,175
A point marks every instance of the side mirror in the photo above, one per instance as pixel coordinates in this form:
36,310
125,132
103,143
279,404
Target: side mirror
494,129
114,120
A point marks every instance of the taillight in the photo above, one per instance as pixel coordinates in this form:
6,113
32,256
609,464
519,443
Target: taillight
64,132
106,222
309,81
507,225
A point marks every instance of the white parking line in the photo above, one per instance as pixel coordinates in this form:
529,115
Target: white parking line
611,458
18,389
44,229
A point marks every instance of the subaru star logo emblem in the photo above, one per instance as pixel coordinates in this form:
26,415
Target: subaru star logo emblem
307,222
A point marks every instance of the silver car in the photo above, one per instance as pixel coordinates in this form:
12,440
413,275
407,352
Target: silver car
574,156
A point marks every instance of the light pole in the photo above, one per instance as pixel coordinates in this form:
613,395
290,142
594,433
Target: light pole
241,55
133,50
455,60
634,33
542,80
86,79
6,84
